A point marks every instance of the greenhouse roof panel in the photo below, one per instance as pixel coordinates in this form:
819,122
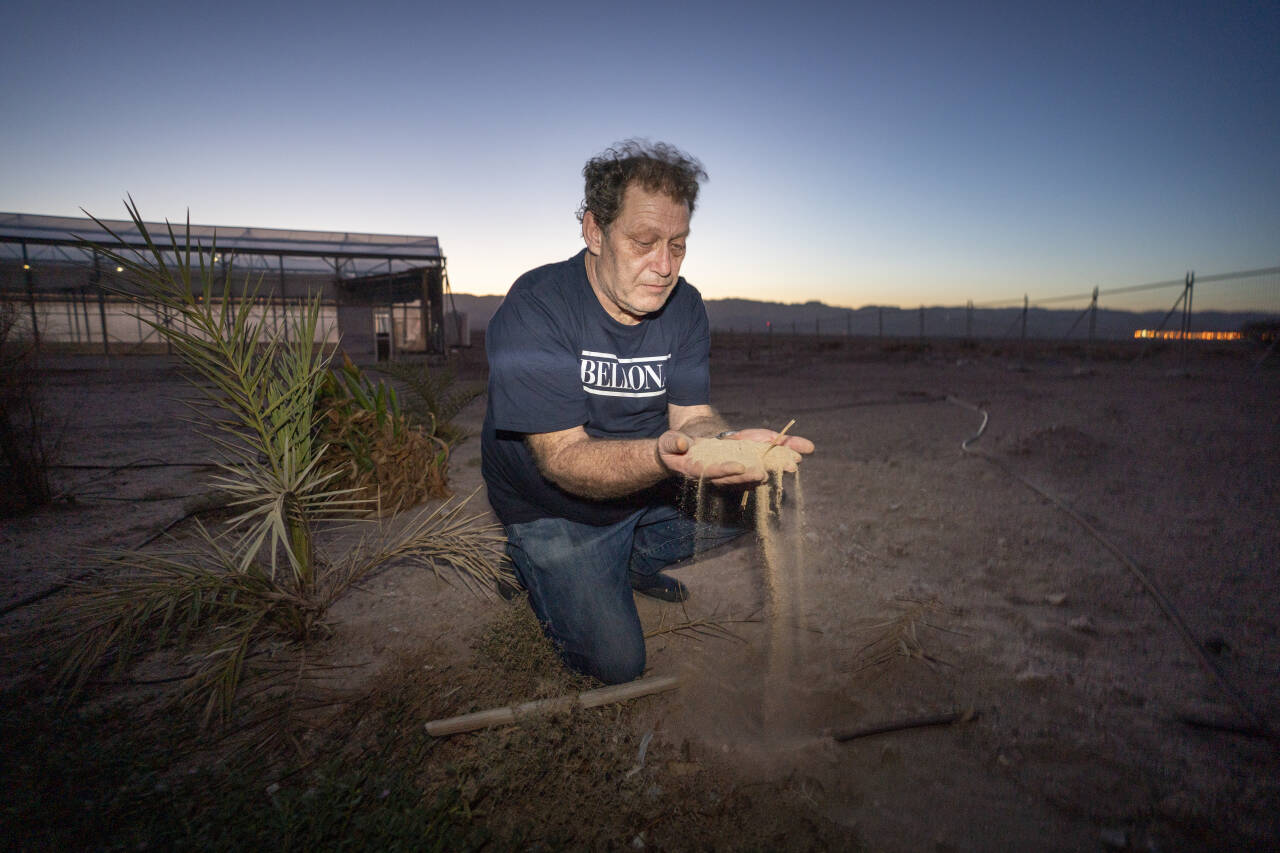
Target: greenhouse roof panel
68,230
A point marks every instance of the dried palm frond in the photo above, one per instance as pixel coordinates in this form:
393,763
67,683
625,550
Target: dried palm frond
700,627
393,464
899,636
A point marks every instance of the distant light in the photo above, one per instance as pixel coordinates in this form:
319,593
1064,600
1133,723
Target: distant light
119,269
26,266
1177,335
217,257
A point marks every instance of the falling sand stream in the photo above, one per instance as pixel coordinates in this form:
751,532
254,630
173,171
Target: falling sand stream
781,548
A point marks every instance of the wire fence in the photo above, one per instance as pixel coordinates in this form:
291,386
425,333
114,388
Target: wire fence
1236,299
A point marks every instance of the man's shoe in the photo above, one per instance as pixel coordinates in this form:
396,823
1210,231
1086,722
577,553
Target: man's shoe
508,589
660,586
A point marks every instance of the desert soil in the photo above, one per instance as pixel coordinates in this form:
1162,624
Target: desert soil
932,581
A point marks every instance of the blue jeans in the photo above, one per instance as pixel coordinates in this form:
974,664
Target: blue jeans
577,579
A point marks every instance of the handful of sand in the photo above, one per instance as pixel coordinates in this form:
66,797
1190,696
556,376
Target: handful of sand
773,458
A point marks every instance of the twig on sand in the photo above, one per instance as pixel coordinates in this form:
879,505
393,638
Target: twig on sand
778,438
699,628
910,723
543,707
1225,726
772,444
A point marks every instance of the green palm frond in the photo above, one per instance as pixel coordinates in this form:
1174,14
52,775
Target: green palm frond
438,537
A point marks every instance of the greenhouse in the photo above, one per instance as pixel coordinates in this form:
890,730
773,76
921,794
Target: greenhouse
382,294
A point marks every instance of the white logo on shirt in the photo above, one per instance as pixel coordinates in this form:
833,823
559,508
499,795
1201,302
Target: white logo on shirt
605,374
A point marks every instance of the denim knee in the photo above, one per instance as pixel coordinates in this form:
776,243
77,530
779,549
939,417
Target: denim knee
615,661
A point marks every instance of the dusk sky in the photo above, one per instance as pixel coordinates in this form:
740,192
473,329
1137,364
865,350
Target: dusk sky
859,153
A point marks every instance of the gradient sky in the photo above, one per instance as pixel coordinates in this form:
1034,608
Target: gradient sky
858,154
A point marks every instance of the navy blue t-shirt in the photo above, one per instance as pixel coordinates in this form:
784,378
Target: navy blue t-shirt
557,360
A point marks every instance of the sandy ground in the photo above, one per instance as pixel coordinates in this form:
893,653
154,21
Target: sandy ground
1080,683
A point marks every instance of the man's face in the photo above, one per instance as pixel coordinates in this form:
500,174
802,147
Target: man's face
634,264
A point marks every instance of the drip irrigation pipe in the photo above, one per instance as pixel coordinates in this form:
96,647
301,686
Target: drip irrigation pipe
1242,704
79,491
61,585
907,401
134,466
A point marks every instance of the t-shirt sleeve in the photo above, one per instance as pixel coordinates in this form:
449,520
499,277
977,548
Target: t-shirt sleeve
690,382
533,369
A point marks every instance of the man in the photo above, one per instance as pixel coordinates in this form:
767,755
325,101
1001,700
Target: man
598,387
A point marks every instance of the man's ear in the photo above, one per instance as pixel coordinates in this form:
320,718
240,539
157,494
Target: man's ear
592,233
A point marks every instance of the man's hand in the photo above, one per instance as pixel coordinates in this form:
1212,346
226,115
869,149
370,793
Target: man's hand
803,446
674,446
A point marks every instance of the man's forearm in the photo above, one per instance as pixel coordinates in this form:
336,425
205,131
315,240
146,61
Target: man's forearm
600,468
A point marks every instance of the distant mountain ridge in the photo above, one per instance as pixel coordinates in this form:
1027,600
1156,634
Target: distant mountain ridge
810,318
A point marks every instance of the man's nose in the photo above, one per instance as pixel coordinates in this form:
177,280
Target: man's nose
662,262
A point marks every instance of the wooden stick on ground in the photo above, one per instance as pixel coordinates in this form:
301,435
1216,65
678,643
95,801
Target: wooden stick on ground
913,723
516,713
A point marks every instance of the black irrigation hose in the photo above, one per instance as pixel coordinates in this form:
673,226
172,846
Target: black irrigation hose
905,401
61,585
145,462
143,500
1238,699
134,466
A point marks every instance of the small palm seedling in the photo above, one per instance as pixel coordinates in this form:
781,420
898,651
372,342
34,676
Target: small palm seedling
240,603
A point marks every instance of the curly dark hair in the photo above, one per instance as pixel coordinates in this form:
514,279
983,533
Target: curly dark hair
657,166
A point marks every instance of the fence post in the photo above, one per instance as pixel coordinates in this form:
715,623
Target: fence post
922,322
95,278
968,322
83,308
1186,319
1093,322
880,321
102,319
284,302
73,335
1025,304
31,296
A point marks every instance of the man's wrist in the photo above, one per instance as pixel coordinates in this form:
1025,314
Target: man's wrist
657,454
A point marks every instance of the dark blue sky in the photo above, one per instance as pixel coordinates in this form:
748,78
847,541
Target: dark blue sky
924,153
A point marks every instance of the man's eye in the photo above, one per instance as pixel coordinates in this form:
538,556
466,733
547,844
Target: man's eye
677,248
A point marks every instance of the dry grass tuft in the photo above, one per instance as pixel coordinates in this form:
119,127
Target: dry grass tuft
397,467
